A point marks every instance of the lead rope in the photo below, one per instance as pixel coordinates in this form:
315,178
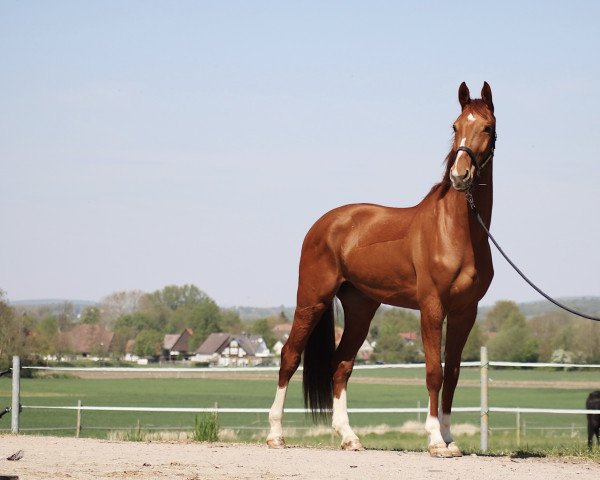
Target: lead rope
471,202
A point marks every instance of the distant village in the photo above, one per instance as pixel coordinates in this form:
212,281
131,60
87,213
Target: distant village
94,342
182,325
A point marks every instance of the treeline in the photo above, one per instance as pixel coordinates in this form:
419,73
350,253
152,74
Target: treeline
131,315
146,317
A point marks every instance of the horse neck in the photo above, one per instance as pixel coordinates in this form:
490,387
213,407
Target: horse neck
457,214
483,195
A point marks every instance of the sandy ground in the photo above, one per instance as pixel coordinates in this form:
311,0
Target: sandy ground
70,458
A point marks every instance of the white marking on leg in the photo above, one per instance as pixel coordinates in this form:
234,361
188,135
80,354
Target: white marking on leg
445,422
432,425
276,414
340,421
471,117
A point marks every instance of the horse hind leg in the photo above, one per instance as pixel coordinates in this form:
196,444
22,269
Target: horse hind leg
307,315
358,313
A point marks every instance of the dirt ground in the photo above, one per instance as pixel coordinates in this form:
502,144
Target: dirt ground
71,458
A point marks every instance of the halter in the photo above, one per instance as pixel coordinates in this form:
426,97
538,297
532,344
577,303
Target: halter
471,154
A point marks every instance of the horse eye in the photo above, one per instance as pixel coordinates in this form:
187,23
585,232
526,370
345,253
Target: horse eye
488,129
454,128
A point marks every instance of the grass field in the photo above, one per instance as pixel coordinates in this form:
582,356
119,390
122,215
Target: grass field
368,388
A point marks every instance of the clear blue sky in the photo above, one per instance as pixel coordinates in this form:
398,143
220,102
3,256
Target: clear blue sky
152,143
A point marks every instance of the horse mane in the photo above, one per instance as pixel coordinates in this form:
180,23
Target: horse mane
477,106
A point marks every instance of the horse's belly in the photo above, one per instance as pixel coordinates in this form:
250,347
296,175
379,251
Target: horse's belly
391,283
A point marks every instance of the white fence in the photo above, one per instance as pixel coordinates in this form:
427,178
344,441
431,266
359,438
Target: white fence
483,408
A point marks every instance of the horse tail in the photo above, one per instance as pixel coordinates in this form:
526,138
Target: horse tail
317,377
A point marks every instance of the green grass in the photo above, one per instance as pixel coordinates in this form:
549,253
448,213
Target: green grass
568,433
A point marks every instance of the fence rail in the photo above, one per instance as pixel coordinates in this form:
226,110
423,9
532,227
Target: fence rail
484,409
276,369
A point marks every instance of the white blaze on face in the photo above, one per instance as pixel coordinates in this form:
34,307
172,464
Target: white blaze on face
453,170
471,117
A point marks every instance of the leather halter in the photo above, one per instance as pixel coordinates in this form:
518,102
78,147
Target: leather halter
471,154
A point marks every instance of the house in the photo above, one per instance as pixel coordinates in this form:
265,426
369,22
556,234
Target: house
129,348
225,350
282,331
88,340
409,337
365,351
130,356
177,346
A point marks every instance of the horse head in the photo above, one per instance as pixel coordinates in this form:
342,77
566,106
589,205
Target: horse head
474,137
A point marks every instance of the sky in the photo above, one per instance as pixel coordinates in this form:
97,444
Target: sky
151,143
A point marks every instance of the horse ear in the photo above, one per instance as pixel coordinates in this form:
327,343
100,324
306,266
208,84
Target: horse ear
464,97
486,96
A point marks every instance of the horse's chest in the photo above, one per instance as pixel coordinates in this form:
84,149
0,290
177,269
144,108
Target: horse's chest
466,281
457,273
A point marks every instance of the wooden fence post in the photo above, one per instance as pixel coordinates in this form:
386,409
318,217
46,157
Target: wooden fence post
78,428
518,428
484,424
16,394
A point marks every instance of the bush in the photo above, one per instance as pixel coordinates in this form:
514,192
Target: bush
207,429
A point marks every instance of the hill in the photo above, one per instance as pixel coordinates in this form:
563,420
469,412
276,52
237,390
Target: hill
587,305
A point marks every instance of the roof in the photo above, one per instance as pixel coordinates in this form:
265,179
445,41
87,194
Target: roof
178,342
129,346
215,343
89,338
252,344
409,336
170,341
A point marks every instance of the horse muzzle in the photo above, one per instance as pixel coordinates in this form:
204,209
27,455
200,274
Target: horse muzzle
462,183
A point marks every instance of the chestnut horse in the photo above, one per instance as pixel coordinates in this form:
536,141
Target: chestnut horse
433,257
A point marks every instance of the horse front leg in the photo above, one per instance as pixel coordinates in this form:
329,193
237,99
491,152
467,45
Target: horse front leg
432,318
457,332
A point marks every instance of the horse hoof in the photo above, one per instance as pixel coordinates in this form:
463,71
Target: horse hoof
439,450
352,445
454,450
277,442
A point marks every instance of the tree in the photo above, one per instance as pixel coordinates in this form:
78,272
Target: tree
406,320
118,304
501,312
472,350
174,297
231,322
90,315
46,334
66,316
512,341
148,343
263,327
552,331
12,333
203,318
390,344
136,322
